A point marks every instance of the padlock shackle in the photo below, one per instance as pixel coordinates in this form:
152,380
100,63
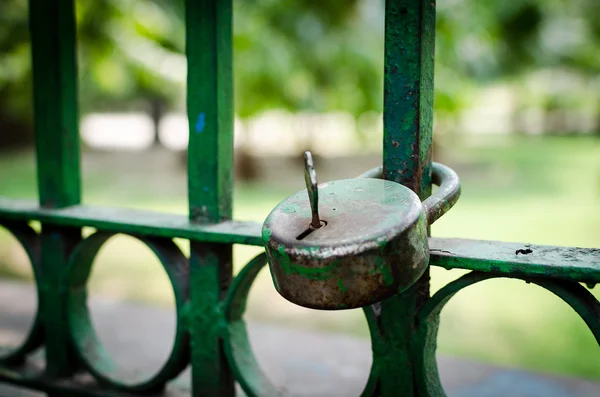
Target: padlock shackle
442,199
445,196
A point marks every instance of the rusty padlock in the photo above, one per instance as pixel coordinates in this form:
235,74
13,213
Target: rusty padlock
354,242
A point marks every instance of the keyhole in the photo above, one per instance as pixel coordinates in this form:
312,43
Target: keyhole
309,230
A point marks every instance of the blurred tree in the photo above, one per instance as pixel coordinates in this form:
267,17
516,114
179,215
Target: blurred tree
129,58
559,39
579,48
15,82
298,55
307,56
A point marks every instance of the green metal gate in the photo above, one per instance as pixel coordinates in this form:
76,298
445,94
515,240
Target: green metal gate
211,334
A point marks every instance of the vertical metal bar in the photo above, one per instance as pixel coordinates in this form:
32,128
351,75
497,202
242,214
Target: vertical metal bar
408,93
408,118
53,46
52,25
210,181
57,245
210,109
210,274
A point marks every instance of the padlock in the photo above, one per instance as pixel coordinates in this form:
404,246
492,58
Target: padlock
353,242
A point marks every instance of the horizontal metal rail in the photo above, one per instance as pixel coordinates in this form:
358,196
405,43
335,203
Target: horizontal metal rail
512,259
131,221
517,259
149,223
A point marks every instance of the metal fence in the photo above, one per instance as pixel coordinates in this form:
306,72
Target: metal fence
210,334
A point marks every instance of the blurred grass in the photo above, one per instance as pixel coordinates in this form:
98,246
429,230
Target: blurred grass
543,190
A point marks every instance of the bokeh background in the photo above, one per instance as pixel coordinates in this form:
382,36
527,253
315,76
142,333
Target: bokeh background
517,115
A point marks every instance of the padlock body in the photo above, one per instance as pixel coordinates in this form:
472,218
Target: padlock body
374,244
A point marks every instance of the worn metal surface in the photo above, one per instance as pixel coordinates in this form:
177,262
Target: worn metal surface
147,223
408,93
563,263
54,66
211,334
407,136
372,246
333,267
210,109
209,54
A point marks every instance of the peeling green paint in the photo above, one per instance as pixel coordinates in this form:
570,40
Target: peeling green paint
266,233
290,208
385,271
341,285
286,262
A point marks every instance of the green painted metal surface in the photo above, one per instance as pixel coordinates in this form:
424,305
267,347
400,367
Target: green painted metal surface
133,221
89,349
508,259
407,129
53,47
54,66
210,182
28,239
424,342
211,334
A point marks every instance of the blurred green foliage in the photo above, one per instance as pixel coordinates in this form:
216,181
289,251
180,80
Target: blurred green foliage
302,55
313,56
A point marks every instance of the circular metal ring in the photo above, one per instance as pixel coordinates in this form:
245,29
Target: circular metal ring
423,350
29,240
87,345
237,344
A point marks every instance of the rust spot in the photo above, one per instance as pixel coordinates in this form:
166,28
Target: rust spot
524,251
